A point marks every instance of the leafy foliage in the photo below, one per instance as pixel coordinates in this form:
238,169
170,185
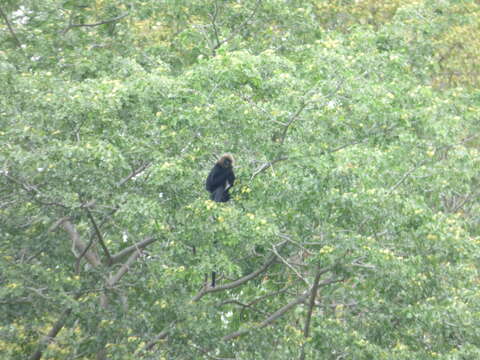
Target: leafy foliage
353,227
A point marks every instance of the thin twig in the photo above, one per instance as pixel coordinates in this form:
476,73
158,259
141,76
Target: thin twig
266,165
236,30
71,26
289,265
134,173
306,100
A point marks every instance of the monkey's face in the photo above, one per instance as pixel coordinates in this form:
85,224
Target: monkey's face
227,163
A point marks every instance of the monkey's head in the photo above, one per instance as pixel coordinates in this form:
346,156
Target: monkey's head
226,161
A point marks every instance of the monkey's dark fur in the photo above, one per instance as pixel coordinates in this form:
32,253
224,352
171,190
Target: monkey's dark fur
221,179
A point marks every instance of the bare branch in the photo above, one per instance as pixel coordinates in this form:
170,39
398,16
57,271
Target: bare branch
280,312
82,254
127,251
91,257
57,223
214,23
10,28
47,339
257,300
123,269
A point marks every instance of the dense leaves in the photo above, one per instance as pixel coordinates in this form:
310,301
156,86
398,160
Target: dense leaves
353,227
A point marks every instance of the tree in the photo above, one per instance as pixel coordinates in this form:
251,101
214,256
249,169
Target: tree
352,231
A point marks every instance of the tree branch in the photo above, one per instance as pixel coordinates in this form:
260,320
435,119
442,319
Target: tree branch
99,235
47,339
91,257
10,28
162,335
311,304
277,314
280,312
134,173
236,30
123,269
303,105
206,289
127,251
71,26
266,165
289,265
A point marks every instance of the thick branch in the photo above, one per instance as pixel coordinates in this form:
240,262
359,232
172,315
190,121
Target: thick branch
10,28
91,257
51,335
123,269
127,251
80,257
214,22
236,283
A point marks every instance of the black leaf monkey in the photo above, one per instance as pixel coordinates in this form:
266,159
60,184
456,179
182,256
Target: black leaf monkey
221,179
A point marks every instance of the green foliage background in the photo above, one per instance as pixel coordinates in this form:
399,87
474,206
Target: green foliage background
353,230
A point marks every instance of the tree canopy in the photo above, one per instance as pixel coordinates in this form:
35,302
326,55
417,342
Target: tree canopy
353,229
